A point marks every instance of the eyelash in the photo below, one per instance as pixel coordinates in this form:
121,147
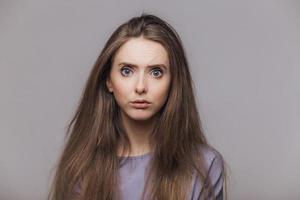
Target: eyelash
155,69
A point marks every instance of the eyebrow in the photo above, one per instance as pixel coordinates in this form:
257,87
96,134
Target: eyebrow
150,66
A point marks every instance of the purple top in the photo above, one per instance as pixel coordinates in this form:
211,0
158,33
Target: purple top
132,176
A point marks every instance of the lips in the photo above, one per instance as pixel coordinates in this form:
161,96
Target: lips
141,101
140,104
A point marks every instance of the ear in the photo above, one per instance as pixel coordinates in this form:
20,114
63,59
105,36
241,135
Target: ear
109,85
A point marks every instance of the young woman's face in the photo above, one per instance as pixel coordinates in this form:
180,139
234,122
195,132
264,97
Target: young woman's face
140,71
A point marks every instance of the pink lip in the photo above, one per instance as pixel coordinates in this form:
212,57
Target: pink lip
140,105
141,101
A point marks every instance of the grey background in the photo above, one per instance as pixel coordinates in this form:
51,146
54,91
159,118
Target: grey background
244,58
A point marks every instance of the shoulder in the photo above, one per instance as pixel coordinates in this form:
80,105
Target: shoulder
213,159
215,168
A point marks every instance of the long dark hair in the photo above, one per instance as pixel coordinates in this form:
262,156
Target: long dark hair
90,153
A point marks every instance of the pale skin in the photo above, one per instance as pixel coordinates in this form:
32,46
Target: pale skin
140,70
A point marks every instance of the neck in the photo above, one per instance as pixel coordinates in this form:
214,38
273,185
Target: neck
138,133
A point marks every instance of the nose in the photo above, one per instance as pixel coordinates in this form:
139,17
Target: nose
141,85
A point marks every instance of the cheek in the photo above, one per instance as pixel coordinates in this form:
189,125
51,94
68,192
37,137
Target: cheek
121,90
161,92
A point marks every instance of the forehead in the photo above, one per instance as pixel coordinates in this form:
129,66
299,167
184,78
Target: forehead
142,52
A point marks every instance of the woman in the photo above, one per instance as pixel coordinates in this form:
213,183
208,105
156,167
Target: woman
137,133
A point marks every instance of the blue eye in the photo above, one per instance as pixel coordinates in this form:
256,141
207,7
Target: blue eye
125,71
157,70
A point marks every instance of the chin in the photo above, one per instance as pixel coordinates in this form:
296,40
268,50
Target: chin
140,115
